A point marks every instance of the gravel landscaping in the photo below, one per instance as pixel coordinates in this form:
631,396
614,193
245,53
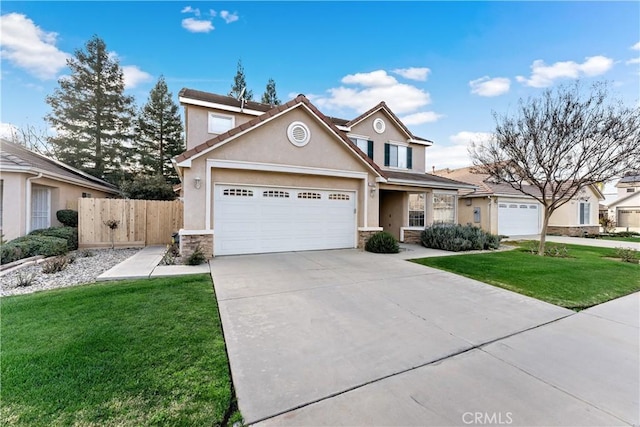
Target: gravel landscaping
83,270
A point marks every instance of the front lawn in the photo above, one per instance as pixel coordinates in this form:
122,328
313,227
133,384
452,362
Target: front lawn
146,352
621,239
588,278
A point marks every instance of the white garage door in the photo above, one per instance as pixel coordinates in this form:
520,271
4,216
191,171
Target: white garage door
629,218
269,219
516,219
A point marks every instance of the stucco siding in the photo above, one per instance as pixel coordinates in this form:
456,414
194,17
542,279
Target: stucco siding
465,213
197,123
568,215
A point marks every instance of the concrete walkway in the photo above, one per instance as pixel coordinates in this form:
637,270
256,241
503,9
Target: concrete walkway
144,264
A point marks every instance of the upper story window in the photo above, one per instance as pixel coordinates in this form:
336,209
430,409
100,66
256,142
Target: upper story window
631,190
364,144
398,156
220,123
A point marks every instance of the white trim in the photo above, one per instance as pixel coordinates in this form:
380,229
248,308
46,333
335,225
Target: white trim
184,232
61,178
429,184
387,111
343,128
291,136
357,136
272,167
370,229
420,142
382,124
184,163
207,197
214,114
199,103
402,230
398,143
365,204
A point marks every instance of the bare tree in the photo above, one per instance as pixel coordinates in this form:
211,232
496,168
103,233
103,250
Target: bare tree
560,143
34,139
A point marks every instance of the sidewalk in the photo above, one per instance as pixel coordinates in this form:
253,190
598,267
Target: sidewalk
144,265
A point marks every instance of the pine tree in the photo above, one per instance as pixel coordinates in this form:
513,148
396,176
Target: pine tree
270,96
240,83
91,114
159,133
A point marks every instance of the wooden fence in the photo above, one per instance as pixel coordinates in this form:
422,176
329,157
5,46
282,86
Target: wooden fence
140,222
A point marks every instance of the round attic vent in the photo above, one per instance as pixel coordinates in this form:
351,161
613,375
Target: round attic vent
378,125
299,134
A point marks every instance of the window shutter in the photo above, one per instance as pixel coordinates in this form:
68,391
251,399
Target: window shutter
387,148
409,158
370,149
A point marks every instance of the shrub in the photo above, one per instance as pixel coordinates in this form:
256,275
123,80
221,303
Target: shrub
197,257
149,187
23,279
27,246
627,255
382,243
55,265
68,217
627,234
458,238
85,253
607,224
70,234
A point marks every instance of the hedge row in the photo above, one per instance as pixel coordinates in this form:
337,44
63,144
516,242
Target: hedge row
46,242
458,238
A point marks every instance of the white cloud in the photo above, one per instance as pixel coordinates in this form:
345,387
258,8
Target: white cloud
413,73
189,9
27,46
544,75
197,25
133,76
633,61
486,86
420,118
636,46
372,88
8,131
212,13
456,154
228,16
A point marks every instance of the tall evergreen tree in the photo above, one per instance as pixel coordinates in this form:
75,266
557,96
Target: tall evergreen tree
91,114
240,83
159,133
270,96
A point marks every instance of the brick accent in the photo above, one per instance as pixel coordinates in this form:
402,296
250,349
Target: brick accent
573,231
412,236
189,242
364,236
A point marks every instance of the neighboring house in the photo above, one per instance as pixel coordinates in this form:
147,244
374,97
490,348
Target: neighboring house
625,210
33,188
257,178
500,209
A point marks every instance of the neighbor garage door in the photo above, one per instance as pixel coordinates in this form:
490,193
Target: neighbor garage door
270,219
629,218
518,218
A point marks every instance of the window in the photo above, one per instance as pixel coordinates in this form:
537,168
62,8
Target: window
338,197
219,123
476,214
239,192
86,195
444,208
416,210
585,207
40,208
275,193
365,145
309,196
398,156
631,190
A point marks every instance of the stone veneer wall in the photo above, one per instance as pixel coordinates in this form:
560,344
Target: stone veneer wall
412,236
189,242
364,236
573,231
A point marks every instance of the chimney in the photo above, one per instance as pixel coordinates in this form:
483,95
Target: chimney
433,169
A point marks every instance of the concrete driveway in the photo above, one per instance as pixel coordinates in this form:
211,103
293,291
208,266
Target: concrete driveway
351,338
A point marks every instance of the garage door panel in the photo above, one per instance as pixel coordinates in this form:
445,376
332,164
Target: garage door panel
267,222
518,218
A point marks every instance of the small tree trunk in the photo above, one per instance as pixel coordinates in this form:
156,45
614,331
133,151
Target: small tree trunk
543,232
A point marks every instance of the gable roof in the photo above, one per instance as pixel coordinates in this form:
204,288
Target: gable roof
300,100
249,107
398,177
483,182
16,158
629,179
383,106
624,199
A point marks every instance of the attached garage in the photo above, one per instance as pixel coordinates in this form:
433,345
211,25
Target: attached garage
628,218
261,219
518,218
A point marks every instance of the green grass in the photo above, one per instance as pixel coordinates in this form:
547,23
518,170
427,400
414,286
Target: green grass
146,352
621,239
586,279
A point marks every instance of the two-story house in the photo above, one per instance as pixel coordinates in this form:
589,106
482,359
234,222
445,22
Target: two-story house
625,210
258,178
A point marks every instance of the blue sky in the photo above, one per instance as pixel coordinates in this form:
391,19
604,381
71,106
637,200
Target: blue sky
442,67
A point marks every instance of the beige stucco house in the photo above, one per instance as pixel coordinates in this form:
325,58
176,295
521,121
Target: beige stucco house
257,178
499,209
625,210
33,188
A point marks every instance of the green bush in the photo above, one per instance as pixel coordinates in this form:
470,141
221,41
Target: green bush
70,234
458,238
28,246
149,187
68,217
197,257
382,243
